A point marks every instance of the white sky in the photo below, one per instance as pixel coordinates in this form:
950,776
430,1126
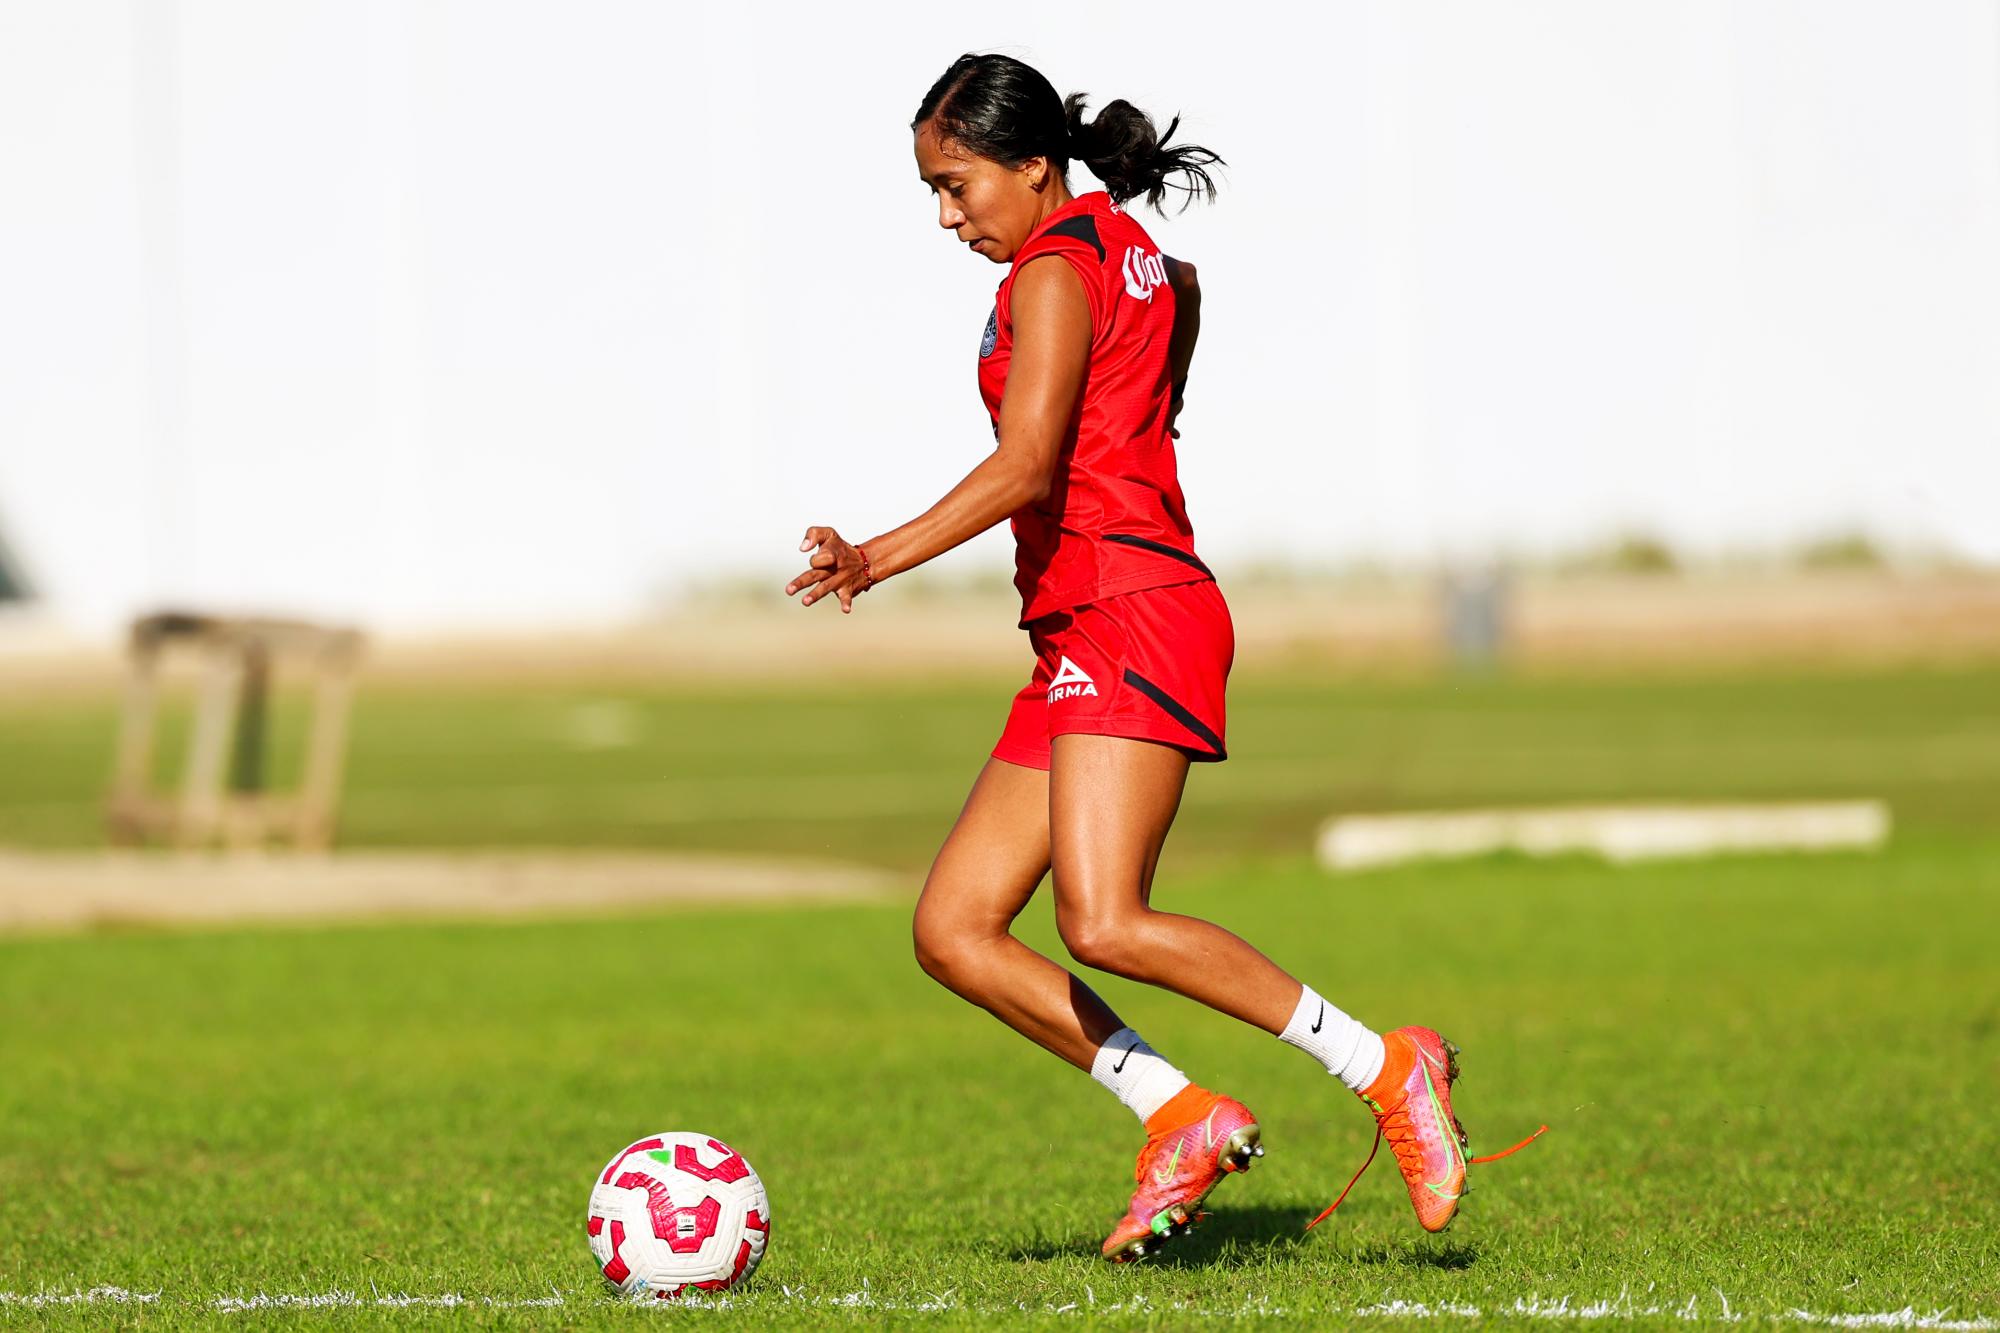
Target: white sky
468,313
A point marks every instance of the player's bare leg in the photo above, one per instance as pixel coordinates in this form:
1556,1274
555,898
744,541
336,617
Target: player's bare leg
1111,802
985,874
987,870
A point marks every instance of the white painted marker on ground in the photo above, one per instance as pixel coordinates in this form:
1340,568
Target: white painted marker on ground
1617,833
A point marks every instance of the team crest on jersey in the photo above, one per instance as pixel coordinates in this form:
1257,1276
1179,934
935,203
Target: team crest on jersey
1143,273
1070,683
992,335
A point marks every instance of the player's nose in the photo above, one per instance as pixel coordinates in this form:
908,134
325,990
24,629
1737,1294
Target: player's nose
951,219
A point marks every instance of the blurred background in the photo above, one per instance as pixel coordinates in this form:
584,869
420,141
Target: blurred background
463,315
1540,340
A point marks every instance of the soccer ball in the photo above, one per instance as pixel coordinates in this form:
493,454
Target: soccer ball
678,1212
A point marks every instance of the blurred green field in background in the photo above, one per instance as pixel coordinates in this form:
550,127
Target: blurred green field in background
1772,1080
876,774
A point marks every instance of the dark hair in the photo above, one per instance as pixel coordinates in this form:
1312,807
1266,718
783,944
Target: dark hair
1001,109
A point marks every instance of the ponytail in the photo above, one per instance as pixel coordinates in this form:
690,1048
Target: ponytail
999,108
1123,150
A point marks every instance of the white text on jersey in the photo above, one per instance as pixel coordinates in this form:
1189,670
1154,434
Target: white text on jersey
1143,273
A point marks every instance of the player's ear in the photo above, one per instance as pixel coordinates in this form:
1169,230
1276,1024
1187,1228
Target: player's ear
1038,171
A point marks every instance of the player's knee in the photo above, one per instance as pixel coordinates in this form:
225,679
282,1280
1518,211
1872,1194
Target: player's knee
945,952
933,948
1102,941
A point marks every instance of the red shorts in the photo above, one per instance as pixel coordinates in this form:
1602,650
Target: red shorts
1150,665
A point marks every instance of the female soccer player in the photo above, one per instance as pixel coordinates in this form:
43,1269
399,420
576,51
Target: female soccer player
1081,367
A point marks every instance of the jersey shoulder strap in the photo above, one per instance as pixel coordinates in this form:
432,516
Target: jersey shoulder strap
1080,228
1074,238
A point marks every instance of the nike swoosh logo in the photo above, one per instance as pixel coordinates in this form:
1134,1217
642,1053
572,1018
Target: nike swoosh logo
1440,1119
1165,1175
1119,1068
1322,1016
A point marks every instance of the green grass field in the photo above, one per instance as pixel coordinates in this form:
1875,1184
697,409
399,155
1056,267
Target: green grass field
1771,1081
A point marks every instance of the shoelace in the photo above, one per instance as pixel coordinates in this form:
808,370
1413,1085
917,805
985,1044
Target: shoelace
1396,1145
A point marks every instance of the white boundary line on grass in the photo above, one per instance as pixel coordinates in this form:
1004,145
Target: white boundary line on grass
1618,833
1535,1307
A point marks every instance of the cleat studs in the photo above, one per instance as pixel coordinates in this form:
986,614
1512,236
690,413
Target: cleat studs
1241,1146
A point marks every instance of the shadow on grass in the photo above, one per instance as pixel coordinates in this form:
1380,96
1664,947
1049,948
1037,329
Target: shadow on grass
1261,1235
1428,1252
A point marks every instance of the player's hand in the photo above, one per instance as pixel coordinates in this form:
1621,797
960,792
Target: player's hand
836,568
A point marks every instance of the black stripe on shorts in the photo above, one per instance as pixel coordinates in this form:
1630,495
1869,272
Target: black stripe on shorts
1176,710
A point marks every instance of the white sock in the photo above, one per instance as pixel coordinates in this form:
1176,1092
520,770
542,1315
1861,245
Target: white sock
1350,1052
1136,1073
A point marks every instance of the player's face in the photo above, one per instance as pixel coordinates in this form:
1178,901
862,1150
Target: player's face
990,207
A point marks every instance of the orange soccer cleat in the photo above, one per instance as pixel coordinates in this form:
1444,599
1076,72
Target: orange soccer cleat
1411,1099
1191,1143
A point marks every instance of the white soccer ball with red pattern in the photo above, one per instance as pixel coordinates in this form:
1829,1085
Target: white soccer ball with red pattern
676,1213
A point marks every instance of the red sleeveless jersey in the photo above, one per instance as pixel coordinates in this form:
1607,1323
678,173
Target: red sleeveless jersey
1114,520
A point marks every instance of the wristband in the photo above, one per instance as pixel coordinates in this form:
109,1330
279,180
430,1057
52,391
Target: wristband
867,571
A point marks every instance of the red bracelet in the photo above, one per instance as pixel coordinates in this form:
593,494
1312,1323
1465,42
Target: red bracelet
867,571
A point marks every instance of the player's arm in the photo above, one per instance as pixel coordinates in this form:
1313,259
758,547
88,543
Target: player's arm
1187,327
1052,333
